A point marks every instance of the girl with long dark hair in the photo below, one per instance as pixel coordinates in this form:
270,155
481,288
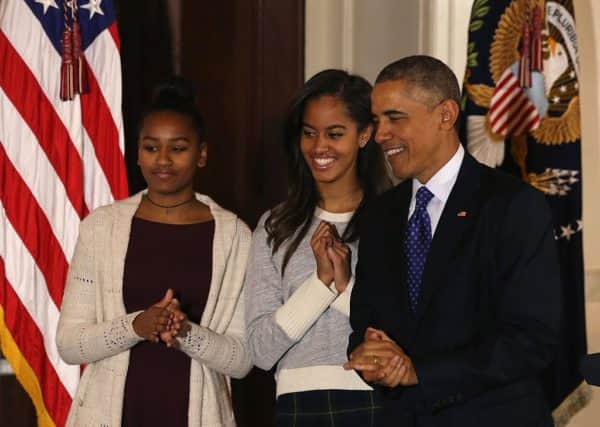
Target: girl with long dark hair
299,275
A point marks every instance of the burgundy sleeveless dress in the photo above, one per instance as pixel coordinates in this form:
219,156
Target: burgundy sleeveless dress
162,256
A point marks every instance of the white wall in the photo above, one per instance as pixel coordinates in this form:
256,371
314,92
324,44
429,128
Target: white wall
364,35
360,36
384,31
324,26
443,31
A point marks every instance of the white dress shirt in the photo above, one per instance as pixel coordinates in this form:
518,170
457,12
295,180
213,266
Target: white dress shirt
440,185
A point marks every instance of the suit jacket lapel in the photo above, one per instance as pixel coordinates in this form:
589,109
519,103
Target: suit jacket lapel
459,214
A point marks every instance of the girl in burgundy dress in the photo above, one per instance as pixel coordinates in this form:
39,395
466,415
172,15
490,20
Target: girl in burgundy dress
152,303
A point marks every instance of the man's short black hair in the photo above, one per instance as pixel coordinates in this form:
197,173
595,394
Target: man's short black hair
431,75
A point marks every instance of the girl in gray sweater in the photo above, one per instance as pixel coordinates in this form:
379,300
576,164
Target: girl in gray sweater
299,275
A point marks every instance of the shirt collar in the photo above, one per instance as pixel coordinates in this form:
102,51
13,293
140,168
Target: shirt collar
442,182
324,215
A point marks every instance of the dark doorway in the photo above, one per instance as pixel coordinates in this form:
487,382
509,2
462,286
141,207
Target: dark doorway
247,60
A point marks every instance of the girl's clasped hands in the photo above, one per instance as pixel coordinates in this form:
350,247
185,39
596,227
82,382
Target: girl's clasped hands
163,321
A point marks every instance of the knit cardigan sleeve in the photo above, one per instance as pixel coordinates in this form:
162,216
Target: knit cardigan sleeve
81,338
225,352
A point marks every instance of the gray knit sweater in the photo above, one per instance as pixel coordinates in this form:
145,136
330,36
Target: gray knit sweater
296,321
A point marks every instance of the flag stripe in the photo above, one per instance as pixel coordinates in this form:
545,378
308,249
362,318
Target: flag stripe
505,80
106,74
102,110
511,115
114,32
526,109
37,111
104,135
29,159
503,101
499,116
507,87
97,191
21,271
32,227
54,398
530,121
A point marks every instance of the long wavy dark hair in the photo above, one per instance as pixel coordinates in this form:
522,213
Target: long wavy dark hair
292,218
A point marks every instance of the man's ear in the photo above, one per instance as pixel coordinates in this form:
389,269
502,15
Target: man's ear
449,112
365,135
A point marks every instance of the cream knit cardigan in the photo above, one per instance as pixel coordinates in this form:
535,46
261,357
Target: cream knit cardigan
95,329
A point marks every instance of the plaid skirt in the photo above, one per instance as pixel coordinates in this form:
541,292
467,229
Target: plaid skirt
328,408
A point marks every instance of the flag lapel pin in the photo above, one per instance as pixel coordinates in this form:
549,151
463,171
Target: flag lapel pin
462,213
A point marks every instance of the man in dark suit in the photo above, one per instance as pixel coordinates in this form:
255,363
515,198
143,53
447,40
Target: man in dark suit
456,306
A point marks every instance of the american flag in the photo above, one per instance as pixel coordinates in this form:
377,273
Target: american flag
529,125
58,161
511,111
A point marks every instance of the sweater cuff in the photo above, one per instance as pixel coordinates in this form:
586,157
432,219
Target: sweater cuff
342,302
133,337
304,307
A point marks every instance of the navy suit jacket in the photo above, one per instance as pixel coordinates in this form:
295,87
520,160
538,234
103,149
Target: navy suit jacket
488,314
